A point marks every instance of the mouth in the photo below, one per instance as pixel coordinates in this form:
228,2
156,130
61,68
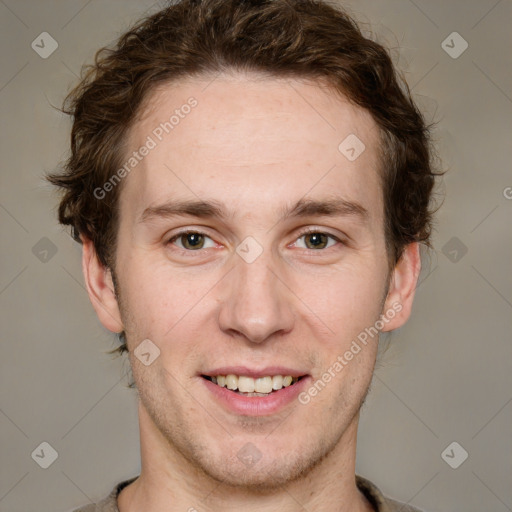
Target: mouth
245,391
253,387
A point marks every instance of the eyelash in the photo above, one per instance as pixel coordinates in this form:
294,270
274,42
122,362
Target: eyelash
309,231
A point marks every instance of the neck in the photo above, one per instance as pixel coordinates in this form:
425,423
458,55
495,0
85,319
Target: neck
168,482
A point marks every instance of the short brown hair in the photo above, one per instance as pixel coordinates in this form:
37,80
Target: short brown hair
282,38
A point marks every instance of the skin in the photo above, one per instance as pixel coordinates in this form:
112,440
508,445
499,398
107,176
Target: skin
255,144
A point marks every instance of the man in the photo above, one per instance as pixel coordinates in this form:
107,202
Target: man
250,182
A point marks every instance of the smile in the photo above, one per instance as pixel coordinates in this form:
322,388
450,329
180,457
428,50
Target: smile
261,395
249,386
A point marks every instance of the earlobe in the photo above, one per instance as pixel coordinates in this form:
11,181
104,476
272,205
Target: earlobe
98,281
402,286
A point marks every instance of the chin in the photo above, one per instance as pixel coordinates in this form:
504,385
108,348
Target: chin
262,471
264,479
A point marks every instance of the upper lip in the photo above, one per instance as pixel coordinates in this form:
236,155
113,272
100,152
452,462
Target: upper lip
254,373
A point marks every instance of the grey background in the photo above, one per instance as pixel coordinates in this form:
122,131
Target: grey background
446,376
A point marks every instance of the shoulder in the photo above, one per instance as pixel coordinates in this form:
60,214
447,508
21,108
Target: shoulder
380,502
398,506
109,503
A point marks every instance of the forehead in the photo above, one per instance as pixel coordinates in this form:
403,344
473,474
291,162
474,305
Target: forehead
249,141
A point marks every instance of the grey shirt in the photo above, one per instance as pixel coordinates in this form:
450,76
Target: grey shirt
379,502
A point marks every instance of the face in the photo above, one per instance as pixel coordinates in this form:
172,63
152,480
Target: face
276,269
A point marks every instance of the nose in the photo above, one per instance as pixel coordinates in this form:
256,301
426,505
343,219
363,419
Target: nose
256,304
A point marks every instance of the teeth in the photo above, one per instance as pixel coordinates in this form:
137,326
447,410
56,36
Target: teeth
264,385
232,382
277,382
245,384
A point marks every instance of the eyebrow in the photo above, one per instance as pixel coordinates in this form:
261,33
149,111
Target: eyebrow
336,207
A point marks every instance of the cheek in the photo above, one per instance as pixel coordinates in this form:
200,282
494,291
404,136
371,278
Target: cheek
161,301
347,301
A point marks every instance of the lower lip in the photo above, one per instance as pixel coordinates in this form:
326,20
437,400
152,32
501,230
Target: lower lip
256,405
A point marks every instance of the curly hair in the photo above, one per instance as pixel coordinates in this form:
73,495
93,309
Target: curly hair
279,38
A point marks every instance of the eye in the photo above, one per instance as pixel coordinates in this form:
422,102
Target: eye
191,240
314,240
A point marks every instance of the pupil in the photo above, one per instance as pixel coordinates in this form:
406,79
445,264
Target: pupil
193,239
317,237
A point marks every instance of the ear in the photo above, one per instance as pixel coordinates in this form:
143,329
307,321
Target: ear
402,287
100,287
